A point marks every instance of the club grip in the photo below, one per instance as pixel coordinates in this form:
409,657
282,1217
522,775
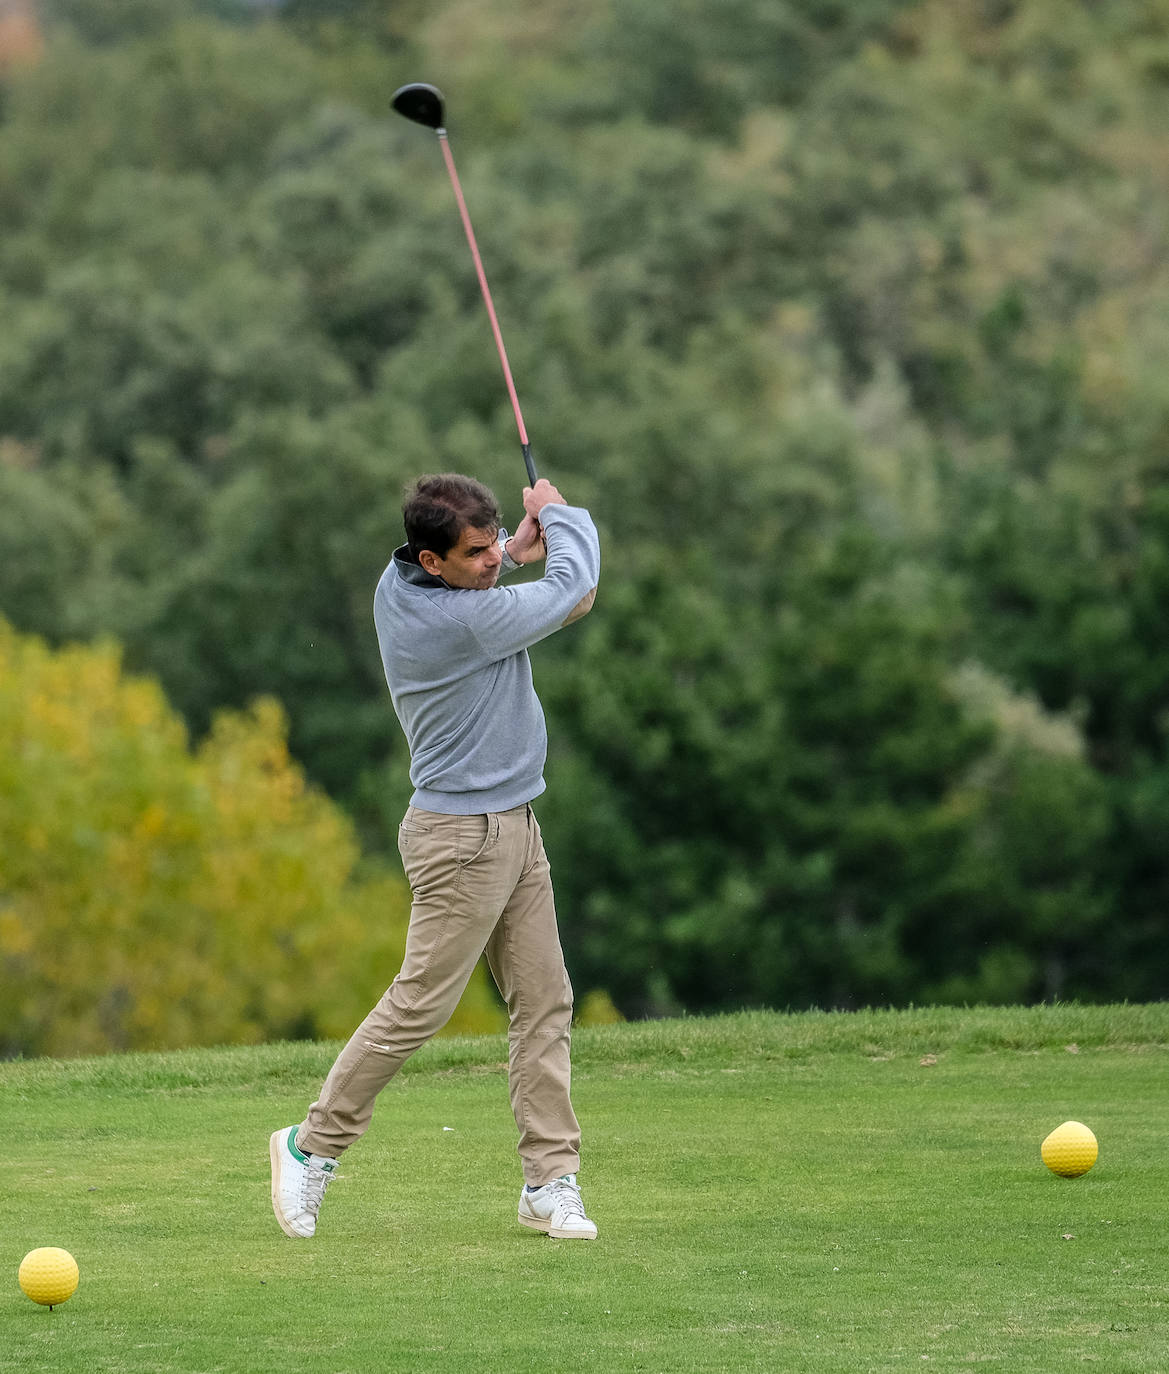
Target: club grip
531,467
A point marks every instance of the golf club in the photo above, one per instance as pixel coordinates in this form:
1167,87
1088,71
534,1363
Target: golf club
424,105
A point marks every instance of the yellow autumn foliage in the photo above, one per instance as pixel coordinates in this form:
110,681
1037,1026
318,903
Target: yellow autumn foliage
153,895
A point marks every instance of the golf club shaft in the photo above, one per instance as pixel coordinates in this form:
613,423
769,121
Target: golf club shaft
511,391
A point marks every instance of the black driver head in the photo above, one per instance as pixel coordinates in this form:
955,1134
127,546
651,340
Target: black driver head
421,103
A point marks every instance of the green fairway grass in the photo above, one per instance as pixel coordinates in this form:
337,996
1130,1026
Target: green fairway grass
820,1192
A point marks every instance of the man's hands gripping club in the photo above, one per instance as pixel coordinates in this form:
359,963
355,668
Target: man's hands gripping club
527,544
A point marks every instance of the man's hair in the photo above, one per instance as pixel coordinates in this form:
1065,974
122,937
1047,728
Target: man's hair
438,509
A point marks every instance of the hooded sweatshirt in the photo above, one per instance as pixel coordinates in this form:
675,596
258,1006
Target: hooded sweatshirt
456,663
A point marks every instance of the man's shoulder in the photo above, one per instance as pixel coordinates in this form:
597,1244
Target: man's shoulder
388,577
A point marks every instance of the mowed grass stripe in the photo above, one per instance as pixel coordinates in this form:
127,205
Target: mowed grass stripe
746,1035
773,1192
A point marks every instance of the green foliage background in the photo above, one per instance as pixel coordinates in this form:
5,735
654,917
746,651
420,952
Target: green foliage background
159,896
848,322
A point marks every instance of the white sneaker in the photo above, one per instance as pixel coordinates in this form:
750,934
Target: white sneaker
557,1209
298,1183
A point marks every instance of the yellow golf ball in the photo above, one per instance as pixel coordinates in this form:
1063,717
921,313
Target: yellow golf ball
1070,1150
49,1275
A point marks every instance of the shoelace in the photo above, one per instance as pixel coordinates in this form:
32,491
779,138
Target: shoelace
312,1188
567,1197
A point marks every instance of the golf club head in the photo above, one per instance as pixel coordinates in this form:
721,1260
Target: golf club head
421,103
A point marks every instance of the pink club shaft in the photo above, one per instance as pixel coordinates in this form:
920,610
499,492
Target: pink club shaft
511,391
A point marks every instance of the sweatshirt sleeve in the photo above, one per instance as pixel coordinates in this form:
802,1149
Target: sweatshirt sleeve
505,620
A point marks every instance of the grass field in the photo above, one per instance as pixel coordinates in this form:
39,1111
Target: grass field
825,1192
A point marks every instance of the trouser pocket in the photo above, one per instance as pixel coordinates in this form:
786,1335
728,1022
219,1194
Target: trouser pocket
477,836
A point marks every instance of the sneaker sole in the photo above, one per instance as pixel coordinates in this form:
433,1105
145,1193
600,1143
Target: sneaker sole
275,1144
539,1224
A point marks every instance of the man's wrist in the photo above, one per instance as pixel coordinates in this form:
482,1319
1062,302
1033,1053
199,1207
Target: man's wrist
504,544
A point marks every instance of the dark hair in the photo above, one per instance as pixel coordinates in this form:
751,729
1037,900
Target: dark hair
438,509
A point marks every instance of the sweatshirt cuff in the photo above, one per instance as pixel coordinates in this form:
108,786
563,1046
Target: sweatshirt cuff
509,564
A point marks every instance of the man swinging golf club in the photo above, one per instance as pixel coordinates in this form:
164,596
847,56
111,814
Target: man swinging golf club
455,650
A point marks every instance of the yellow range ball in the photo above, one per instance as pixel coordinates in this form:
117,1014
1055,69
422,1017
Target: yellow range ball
1070,1150
48,1275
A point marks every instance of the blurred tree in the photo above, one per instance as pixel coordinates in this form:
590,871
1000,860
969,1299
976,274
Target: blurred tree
847,321
103,22
799,804
151,897
704,67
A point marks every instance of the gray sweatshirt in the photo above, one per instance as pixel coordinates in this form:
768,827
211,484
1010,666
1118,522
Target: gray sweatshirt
457,667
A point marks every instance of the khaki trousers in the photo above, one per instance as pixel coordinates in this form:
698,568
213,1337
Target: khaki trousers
480,884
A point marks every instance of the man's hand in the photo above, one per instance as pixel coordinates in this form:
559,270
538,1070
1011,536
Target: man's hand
541,495
527,544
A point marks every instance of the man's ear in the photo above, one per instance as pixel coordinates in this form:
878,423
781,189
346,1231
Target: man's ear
430,562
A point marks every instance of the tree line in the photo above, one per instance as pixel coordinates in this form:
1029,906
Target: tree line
847,323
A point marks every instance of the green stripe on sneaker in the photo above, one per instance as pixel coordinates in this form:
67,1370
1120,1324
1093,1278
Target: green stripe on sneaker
292,1146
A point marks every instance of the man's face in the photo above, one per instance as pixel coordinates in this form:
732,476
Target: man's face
472,564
